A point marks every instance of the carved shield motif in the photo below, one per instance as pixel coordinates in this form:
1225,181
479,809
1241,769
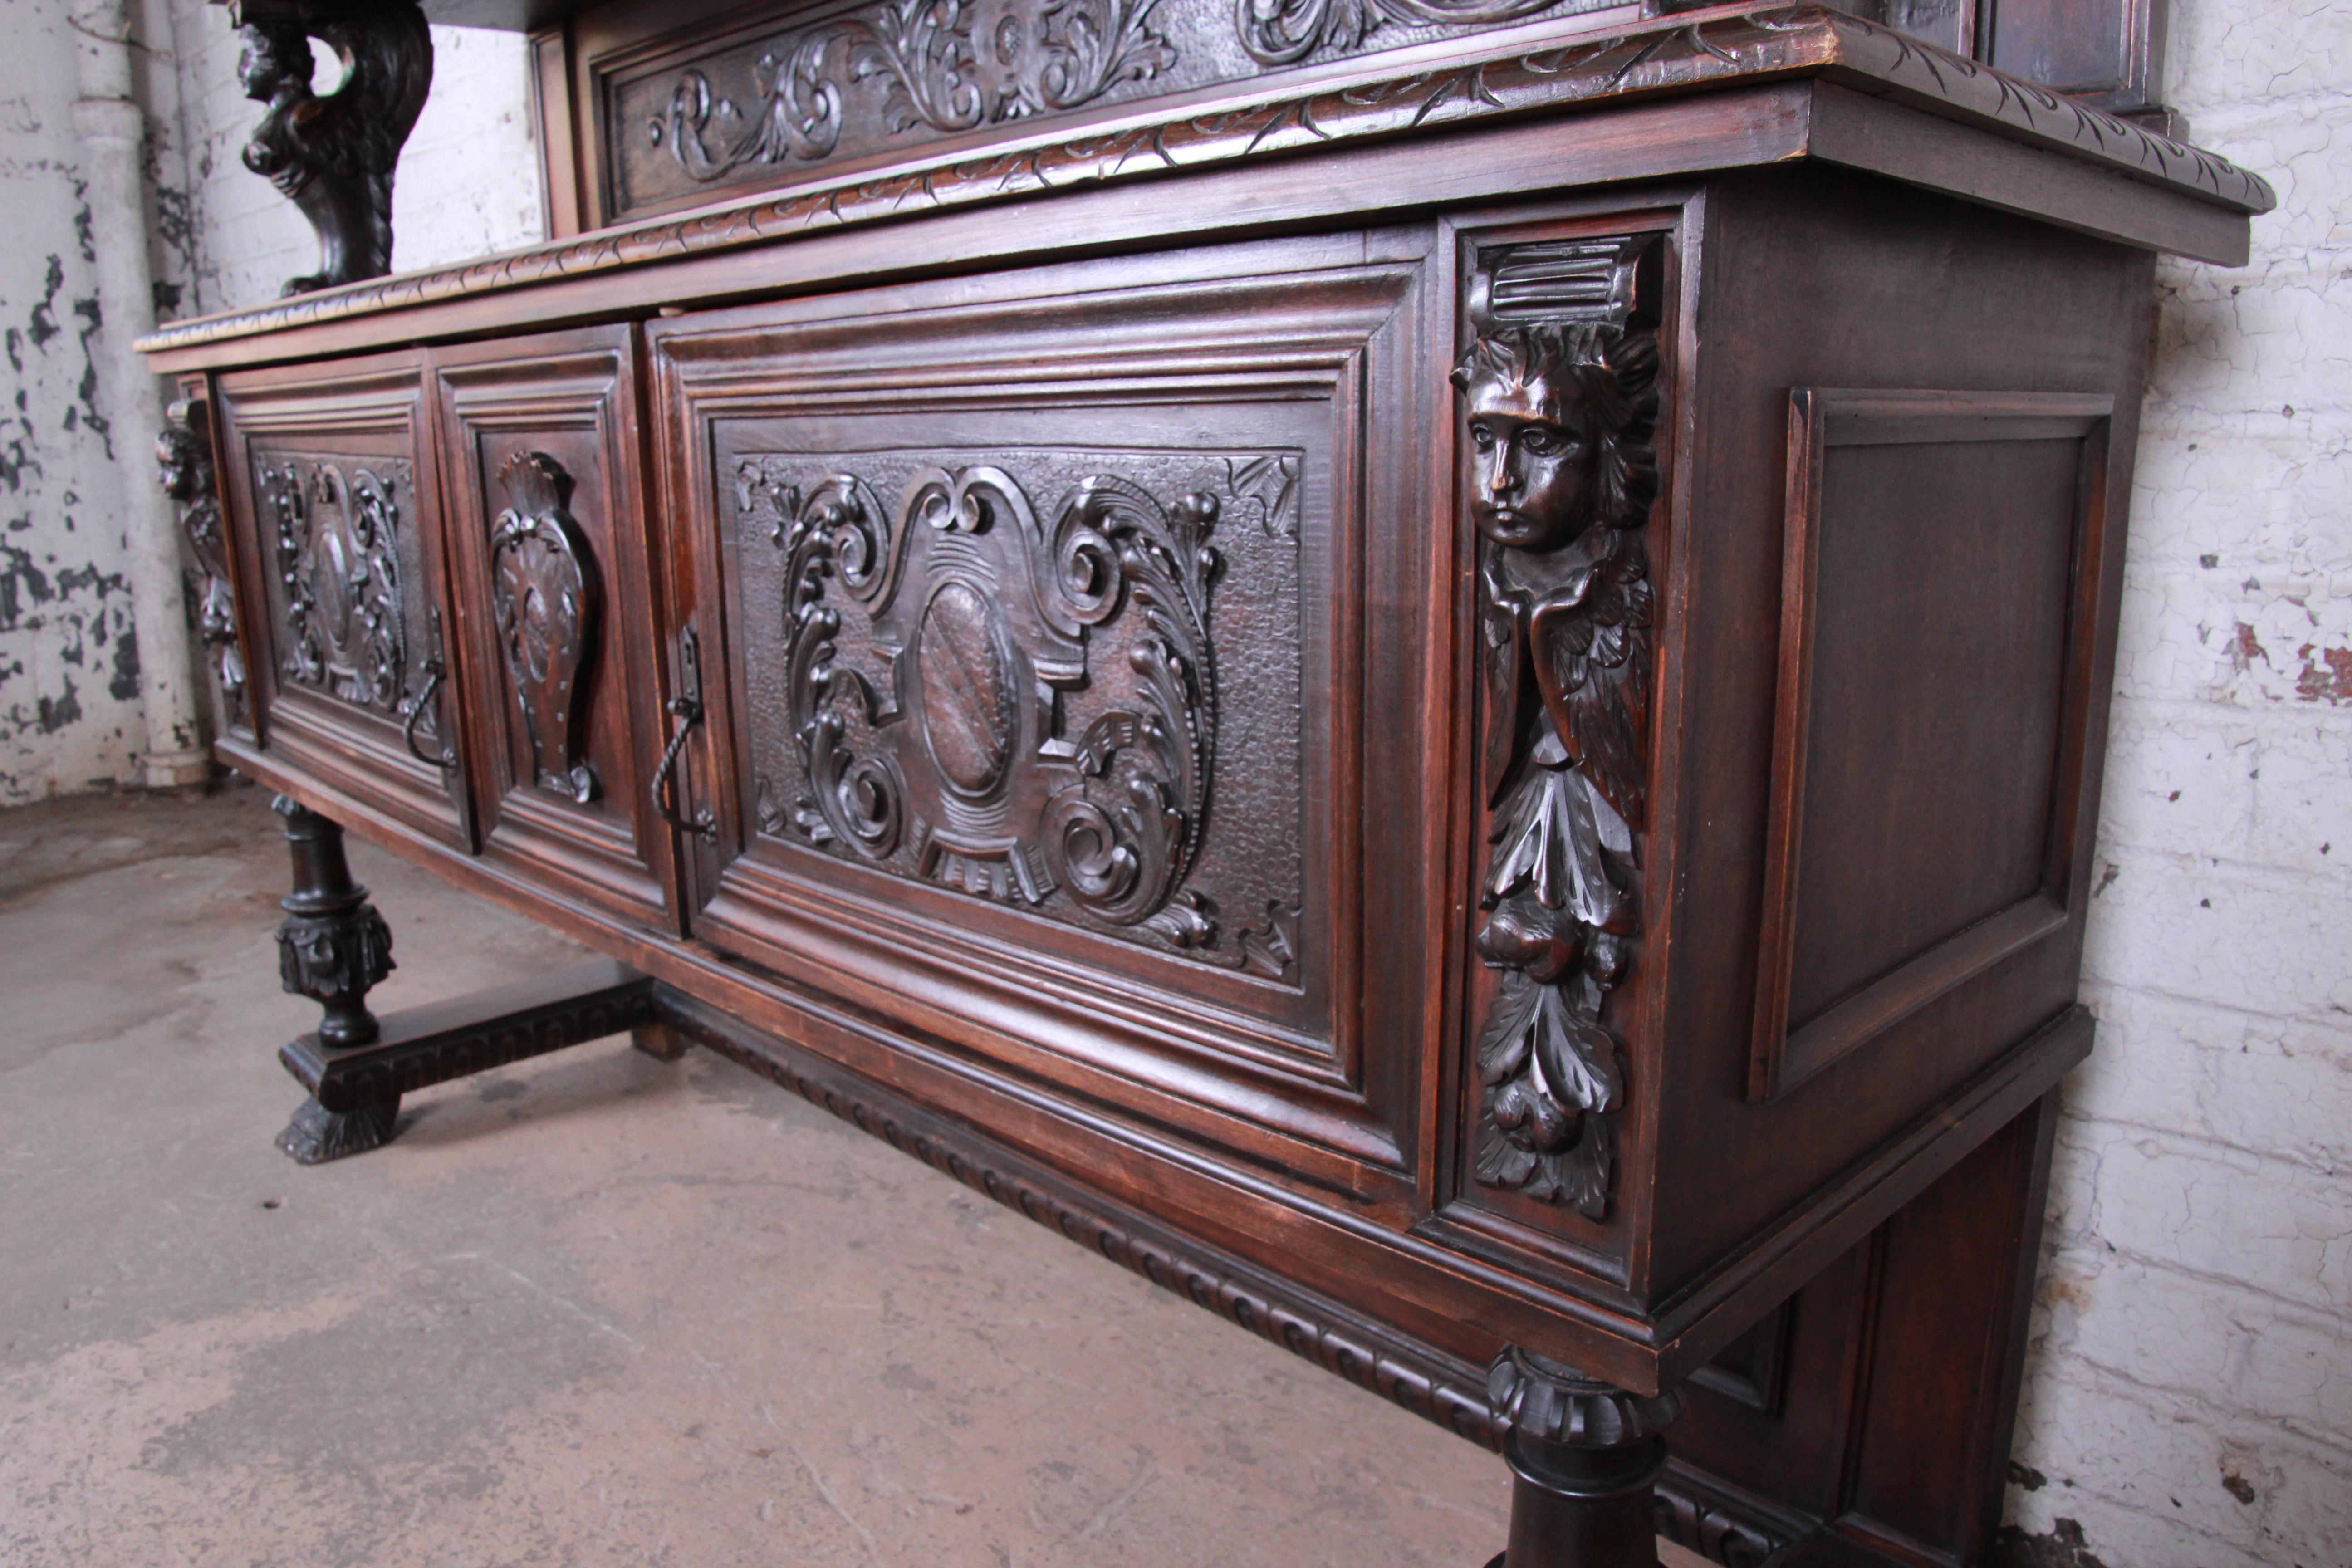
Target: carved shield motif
544,590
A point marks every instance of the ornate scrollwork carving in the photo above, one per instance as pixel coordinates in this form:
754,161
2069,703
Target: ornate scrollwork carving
946,65
1036,714
1560,413
338,557
183,458
334,157
1284,32
544,590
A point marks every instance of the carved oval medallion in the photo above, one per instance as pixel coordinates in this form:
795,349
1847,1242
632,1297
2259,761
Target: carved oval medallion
970,707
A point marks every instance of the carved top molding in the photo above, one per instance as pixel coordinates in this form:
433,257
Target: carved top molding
1690,52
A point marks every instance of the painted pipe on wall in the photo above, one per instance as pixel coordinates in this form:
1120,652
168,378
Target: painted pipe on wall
112,127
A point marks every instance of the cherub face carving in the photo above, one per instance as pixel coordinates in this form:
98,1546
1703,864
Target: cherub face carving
1534,458
1558,432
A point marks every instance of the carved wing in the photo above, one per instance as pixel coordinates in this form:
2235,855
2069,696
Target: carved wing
1502,632
1590,641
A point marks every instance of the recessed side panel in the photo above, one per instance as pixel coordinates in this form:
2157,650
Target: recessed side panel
1930,589
335,520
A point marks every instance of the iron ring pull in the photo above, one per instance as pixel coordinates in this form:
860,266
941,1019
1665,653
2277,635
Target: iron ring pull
434,669
685,706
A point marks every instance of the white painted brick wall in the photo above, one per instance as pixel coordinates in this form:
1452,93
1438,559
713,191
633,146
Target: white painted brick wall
2190,1397
69,701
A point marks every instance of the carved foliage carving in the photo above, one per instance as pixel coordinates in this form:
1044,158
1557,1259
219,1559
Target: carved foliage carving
1028,709
1561,399
334,530
942,65
183,458
544,589
334,156
1282,32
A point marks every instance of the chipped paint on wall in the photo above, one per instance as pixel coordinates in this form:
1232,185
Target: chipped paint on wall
69,691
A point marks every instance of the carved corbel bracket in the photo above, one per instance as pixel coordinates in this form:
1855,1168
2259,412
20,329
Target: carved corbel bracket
334,156
183,461
1559,384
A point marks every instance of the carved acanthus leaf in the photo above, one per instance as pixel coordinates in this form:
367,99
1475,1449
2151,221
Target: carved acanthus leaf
1561,401
941,64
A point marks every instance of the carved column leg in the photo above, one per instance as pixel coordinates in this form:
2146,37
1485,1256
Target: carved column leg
332,948
1584,1457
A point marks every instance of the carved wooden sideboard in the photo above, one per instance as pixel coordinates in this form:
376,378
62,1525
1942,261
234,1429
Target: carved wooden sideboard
1434,669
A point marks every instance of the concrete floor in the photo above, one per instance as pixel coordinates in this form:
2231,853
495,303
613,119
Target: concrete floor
590,1309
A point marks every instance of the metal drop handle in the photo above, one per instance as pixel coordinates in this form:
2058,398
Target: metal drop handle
436,669
686,708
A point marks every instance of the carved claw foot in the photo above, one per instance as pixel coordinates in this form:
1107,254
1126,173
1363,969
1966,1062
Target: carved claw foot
1585,1459
317,1134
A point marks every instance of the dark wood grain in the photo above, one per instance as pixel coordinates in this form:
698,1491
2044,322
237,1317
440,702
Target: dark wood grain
1466,720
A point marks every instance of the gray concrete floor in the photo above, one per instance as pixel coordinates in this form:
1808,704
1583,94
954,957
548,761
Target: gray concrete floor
590,1309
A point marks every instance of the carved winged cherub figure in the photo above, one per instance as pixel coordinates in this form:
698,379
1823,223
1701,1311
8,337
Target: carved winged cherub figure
334,156
1560,420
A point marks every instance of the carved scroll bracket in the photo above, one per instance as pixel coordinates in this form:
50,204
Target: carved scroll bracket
334,156
1560,395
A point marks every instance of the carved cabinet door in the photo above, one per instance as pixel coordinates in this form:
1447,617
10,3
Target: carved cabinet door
540,444
335,535
1040,705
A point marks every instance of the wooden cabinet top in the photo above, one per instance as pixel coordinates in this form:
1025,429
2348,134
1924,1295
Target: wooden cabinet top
1493,116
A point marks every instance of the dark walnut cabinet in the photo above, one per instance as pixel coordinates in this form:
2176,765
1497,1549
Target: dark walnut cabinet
1447,691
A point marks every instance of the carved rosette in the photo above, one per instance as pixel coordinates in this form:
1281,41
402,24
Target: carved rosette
184,458
942,65
1561,400
1031,713
337,558
545,593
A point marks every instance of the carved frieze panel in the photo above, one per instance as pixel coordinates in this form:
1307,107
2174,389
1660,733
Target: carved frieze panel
1561,401
547,598
338,535
1020,675
888,76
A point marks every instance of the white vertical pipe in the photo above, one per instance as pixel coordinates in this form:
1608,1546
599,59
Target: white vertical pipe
114,129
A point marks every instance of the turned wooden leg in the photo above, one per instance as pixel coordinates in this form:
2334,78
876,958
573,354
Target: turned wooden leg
1584,1459
332,948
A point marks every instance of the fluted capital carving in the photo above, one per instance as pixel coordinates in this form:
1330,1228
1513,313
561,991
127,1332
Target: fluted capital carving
1542,1399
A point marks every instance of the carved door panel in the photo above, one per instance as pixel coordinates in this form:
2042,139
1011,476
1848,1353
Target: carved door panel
1038,689
539,442
335,529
